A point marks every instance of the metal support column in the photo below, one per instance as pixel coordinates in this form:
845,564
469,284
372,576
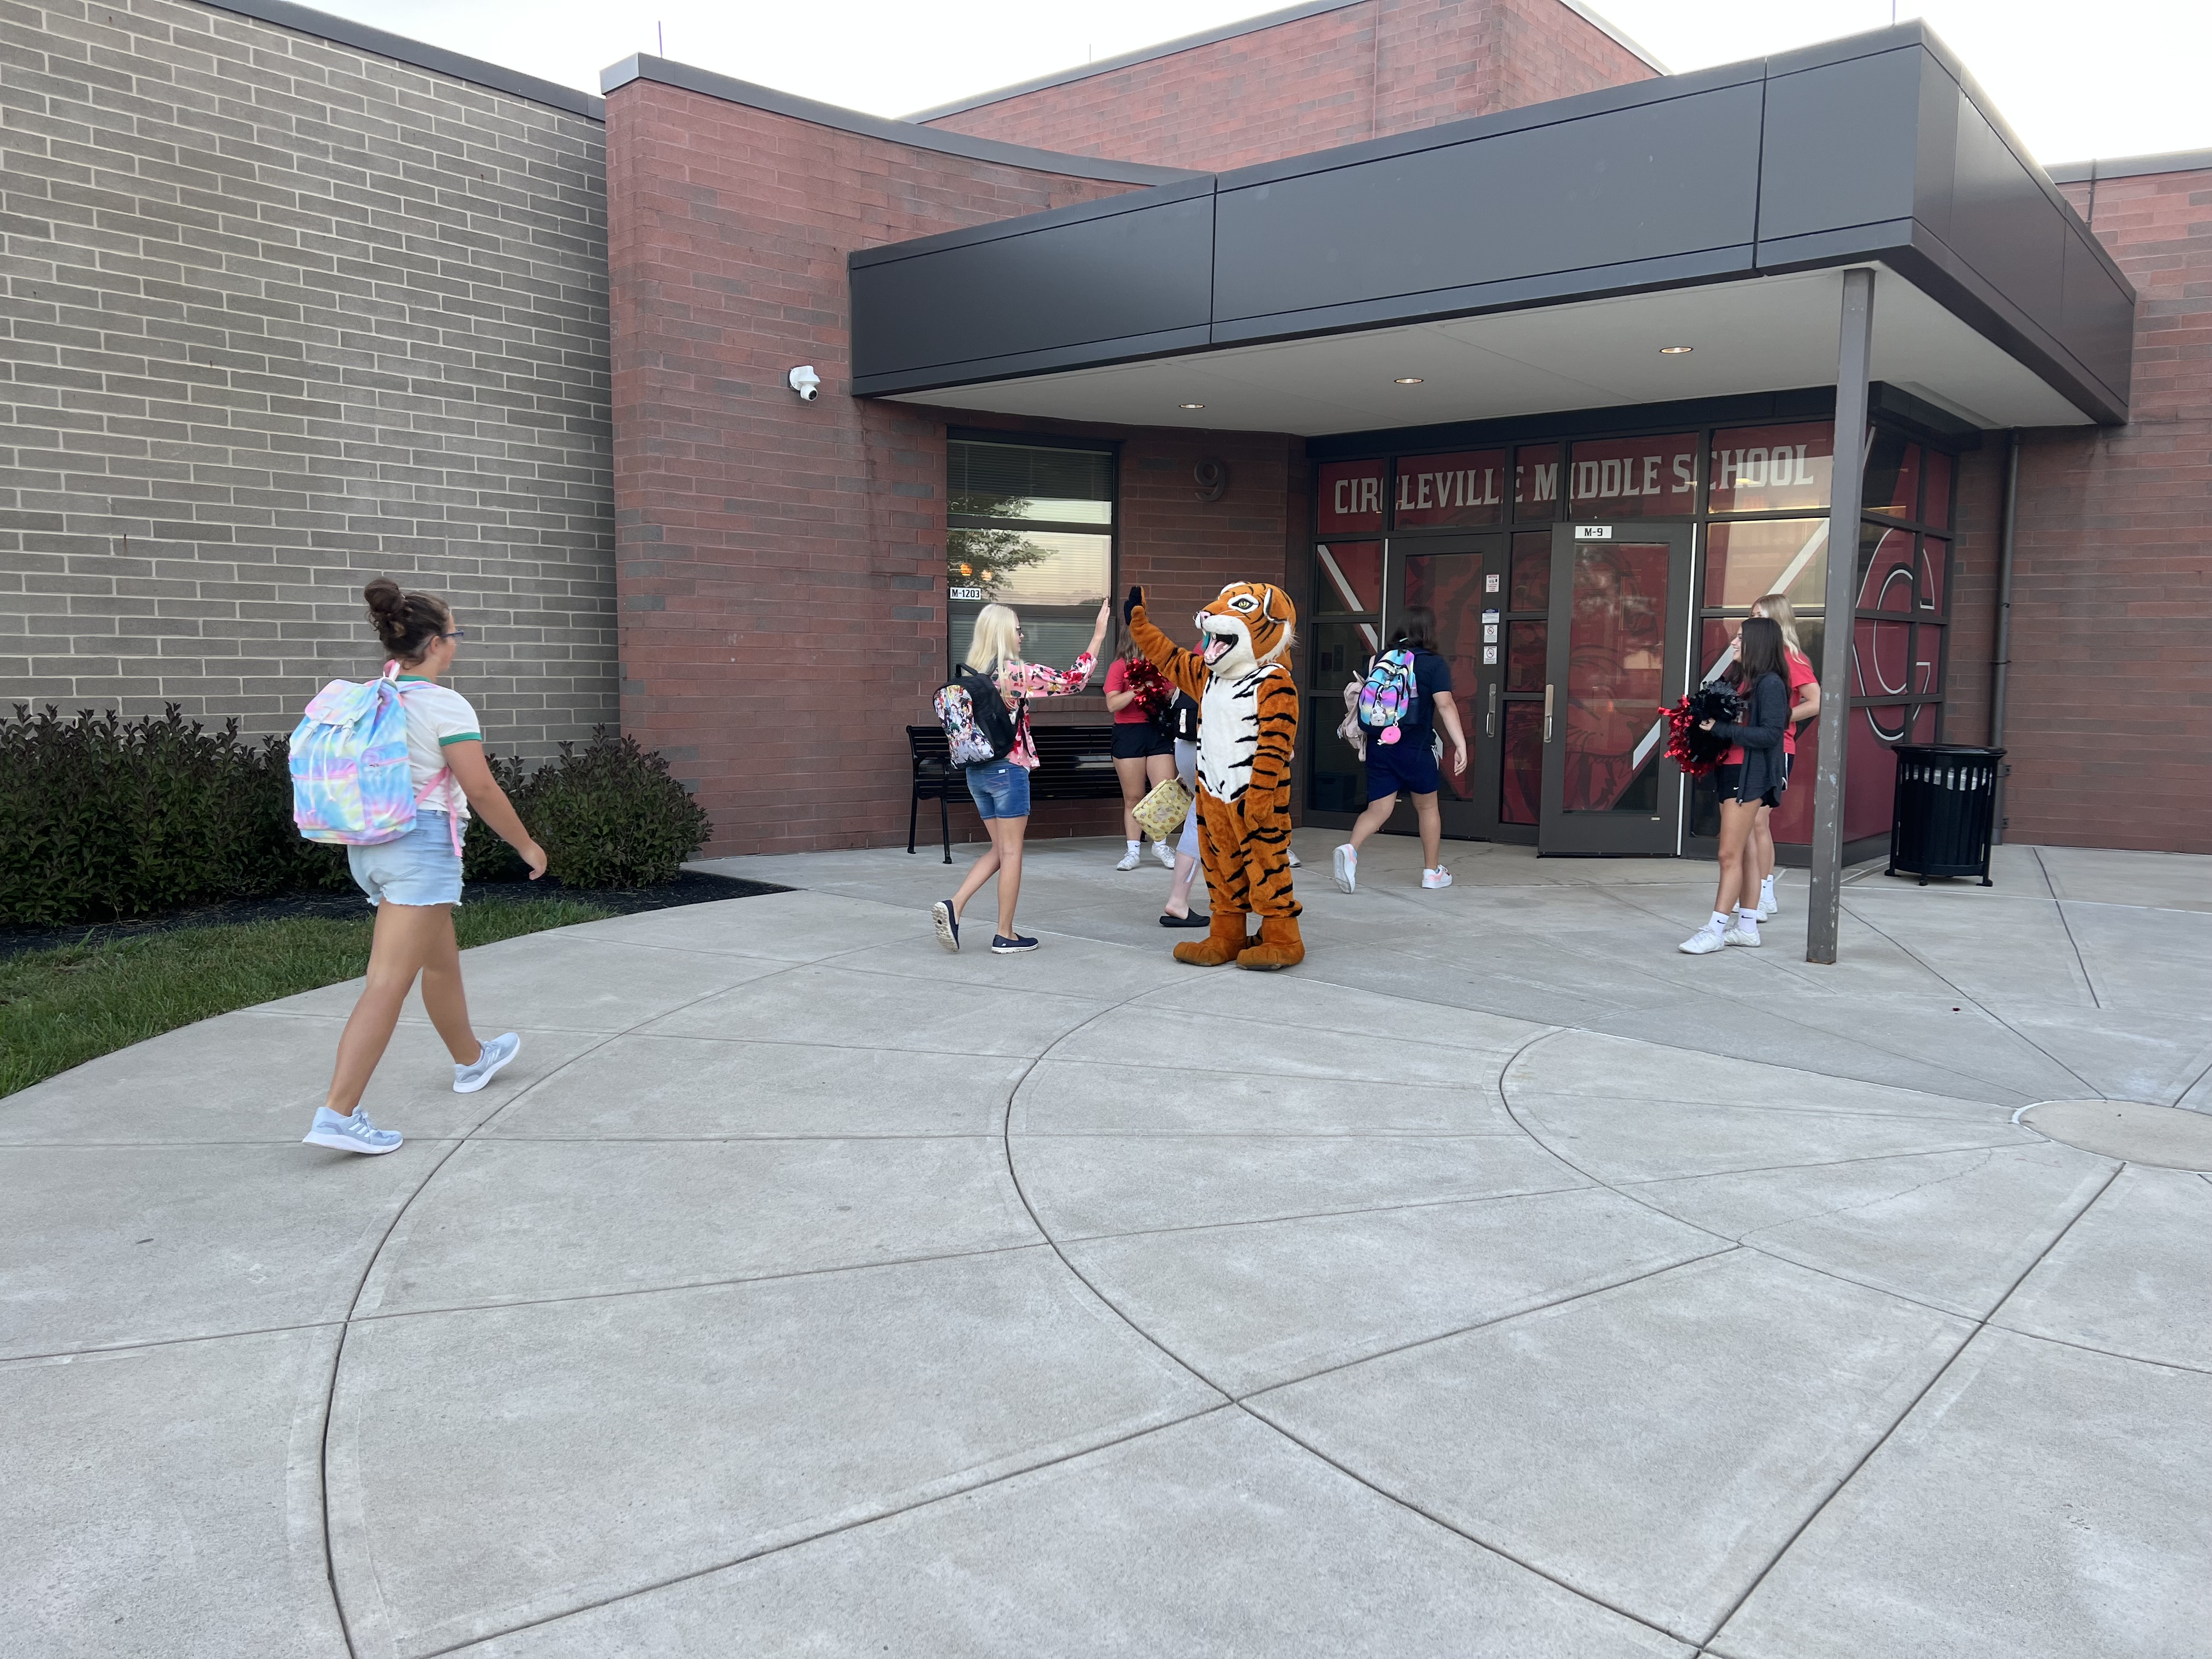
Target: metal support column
1839,613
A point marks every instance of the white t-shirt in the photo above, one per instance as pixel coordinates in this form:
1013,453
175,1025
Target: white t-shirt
436,715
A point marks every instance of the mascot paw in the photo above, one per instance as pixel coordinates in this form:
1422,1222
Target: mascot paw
1221,943
1280,945
1134,604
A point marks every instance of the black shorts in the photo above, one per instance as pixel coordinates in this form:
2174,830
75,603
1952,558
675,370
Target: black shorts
1729,778
1135,741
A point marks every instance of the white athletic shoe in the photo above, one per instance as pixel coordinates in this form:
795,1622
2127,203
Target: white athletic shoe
1438,876
467,1079
1703,943
1347,867
1737,936
1292,856
1129,858
1166,852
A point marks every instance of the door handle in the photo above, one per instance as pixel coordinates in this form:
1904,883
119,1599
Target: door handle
1490,720
1547,713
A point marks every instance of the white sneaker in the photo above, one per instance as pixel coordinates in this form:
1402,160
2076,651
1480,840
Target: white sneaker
467,1079
1166,852
1292,856
1703,943
1347,867
1768,909
1129,858
1737,936
1438,876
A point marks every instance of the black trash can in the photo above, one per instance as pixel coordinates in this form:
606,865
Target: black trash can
1947,797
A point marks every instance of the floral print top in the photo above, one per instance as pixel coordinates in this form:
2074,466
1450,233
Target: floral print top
1019,680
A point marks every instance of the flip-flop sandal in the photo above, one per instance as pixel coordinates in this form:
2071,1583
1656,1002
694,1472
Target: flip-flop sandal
1186,921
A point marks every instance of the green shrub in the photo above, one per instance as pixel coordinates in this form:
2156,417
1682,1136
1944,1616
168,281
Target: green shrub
611,816
102,818
485,856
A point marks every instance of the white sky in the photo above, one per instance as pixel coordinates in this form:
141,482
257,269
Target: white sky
2125,77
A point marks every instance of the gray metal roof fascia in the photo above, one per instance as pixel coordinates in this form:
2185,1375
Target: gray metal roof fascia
643,66
1227,31
2131,167
1029,224
416,54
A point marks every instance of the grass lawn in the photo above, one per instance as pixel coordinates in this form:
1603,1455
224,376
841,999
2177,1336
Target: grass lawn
61,1007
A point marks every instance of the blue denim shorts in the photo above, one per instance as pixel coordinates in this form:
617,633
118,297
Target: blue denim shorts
421,868
1000,789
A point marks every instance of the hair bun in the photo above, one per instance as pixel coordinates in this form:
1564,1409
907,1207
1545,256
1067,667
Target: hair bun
385,598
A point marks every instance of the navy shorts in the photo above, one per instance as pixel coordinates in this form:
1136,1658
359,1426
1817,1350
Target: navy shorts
1409,764
1000,789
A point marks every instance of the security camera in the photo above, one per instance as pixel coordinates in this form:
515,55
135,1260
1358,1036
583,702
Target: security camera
806,382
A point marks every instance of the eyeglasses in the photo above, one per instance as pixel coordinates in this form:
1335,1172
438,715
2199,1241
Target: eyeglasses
457,634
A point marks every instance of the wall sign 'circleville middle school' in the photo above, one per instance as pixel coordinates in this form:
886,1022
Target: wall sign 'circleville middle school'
1608,478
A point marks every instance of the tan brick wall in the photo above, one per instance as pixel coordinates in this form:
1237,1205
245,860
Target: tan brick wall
276,316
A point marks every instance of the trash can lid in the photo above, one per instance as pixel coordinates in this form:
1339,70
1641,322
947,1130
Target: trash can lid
1949,749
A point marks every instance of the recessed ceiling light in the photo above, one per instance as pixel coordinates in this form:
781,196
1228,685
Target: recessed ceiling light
1676,351
1191,405
1408,379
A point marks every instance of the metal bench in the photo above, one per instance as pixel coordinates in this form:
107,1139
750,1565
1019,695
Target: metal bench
1074,763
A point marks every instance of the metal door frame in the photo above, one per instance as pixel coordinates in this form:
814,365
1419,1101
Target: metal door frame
1628,834
1463,820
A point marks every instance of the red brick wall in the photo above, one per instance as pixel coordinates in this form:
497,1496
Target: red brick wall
779,565
2109,713
1380,67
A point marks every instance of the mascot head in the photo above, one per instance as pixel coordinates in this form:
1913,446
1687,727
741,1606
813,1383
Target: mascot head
1251,623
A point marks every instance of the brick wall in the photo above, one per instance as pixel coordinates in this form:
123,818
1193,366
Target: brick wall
278,316
1362,71
780,564
2109,713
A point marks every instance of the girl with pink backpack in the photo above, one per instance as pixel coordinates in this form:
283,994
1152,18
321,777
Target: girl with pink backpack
403,838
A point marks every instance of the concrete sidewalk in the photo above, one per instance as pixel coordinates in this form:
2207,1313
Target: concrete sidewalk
1500,1282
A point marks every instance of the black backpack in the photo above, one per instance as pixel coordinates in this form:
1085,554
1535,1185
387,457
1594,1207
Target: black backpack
1183,718
975,717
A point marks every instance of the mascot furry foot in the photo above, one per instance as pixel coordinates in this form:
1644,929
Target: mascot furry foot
1280,945
1222,940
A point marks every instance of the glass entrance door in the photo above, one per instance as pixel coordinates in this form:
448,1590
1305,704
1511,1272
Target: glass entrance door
1489,595
1614,654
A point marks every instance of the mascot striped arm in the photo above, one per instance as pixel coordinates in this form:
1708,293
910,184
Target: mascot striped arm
1247,727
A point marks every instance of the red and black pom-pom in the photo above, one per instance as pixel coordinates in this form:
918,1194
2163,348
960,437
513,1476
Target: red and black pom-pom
1154,694
1695,751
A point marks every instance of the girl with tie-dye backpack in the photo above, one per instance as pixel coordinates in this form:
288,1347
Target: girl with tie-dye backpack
391,769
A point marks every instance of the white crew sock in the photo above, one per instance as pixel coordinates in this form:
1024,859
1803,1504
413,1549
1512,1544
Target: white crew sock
1749,920
1136,846
1765,887
1719,923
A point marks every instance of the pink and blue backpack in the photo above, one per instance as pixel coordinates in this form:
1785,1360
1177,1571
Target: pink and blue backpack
349,782
1386,696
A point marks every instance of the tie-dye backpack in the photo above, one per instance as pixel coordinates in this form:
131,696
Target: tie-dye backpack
349,781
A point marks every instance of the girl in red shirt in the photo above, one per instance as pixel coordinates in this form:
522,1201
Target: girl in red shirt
1804,704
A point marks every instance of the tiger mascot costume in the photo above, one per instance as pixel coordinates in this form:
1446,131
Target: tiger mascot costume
1248,726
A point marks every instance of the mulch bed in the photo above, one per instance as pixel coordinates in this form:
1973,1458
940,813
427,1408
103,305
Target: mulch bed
690,887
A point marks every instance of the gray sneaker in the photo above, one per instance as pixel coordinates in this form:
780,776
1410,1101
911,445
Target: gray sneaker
349,1135
467,1079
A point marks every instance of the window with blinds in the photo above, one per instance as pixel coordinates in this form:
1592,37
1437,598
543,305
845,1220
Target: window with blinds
1030,526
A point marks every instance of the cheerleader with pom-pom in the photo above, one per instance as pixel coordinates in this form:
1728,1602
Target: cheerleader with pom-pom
1760,676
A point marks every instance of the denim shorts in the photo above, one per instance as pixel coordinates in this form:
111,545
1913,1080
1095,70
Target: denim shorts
421,868
1000,789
